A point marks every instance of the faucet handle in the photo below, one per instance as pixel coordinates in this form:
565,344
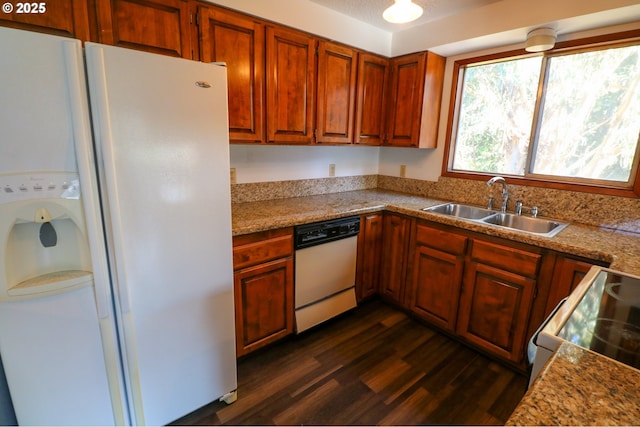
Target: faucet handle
534,211
518,209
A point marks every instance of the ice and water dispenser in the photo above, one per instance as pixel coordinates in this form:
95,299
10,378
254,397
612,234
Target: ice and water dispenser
44,248
47,305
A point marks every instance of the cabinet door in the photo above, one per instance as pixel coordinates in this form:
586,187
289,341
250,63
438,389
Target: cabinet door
432,100
494,310
291,77
405,101
567,273
263,304
395,246
337,66
369,250
67,18
371,101
157,26
438,263
437,277
238,41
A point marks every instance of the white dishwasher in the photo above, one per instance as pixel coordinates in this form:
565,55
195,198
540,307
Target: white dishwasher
325,270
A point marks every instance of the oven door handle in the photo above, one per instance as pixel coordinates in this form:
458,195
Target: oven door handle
534,339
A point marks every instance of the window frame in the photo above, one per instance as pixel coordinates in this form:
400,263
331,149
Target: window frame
561,48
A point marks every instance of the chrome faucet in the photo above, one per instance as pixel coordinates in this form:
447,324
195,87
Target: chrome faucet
505,191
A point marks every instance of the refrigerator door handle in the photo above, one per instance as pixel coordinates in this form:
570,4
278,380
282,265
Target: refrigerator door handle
82,140
104,156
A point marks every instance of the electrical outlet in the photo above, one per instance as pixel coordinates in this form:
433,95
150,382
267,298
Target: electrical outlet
332,169
403,171
233,175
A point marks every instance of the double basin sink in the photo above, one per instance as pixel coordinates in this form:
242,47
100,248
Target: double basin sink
538,226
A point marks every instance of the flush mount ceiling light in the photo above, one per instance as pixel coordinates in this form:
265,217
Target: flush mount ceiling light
540,39
402,11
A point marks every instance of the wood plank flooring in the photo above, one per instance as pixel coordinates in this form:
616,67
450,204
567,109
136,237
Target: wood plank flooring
372,366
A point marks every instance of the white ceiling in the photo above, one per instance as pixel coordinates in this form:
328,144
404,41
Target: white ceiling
370,11
447,27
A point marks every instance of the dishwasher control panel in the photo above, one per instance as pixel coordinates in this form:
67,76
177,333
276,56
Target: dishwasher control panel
318,233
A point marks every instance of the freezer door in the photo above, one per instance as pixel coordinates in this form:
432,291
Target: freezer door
34,97
160,129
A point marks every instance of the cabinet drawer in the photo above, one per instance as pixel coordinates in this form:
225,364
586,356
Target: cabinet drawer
262,247
507,258
440,239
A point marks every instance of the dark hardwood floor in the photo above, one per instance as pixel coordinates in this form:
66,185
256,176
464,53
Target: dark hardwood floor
372,366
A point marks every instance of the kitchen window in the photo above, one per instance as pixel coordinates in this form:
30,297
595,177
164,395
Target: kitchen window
570,117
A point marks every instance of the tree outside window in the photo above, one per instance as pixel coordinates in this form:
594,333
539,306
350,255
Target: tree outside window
567,117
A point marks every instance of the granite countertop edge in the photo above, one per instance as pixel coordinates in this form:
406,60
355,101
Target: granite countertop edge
620,249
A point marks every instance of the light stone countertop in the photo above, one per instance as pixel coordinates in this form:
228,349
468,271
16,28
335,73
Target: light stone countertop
621,249
578,387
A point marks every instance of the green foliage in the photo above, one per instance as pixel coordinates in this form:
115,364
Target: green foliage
589,121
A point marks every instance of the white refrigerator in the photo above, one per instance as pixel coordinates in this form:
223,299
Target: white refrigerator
116,281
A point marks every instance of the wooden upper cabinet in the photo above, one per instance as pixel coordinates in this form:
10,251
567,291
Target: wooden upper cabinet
432,100
291,77
416,83
371,99
337,66
238,41
405,102
67,18
157,26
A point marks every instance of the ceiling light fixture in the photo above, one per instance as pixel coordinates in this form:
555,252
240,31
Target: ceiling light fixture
540,39
402,11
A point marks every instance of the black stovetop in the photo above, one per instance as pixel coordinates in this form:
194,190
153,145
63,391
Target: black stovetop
607,319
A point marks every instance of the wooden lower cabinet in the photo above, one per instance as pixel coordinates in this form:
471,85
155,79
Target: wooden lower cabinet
263,288
494,310
438,264
396,231
480,289
369,252
568,272
497,296
263,292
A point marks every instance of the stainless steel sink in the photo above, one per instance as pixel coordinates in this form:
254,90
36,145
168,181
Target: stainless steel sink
540,226
460,211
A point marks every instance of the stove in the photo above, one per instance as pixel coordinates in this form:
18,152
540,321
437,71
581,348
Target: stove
602,314
607,318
